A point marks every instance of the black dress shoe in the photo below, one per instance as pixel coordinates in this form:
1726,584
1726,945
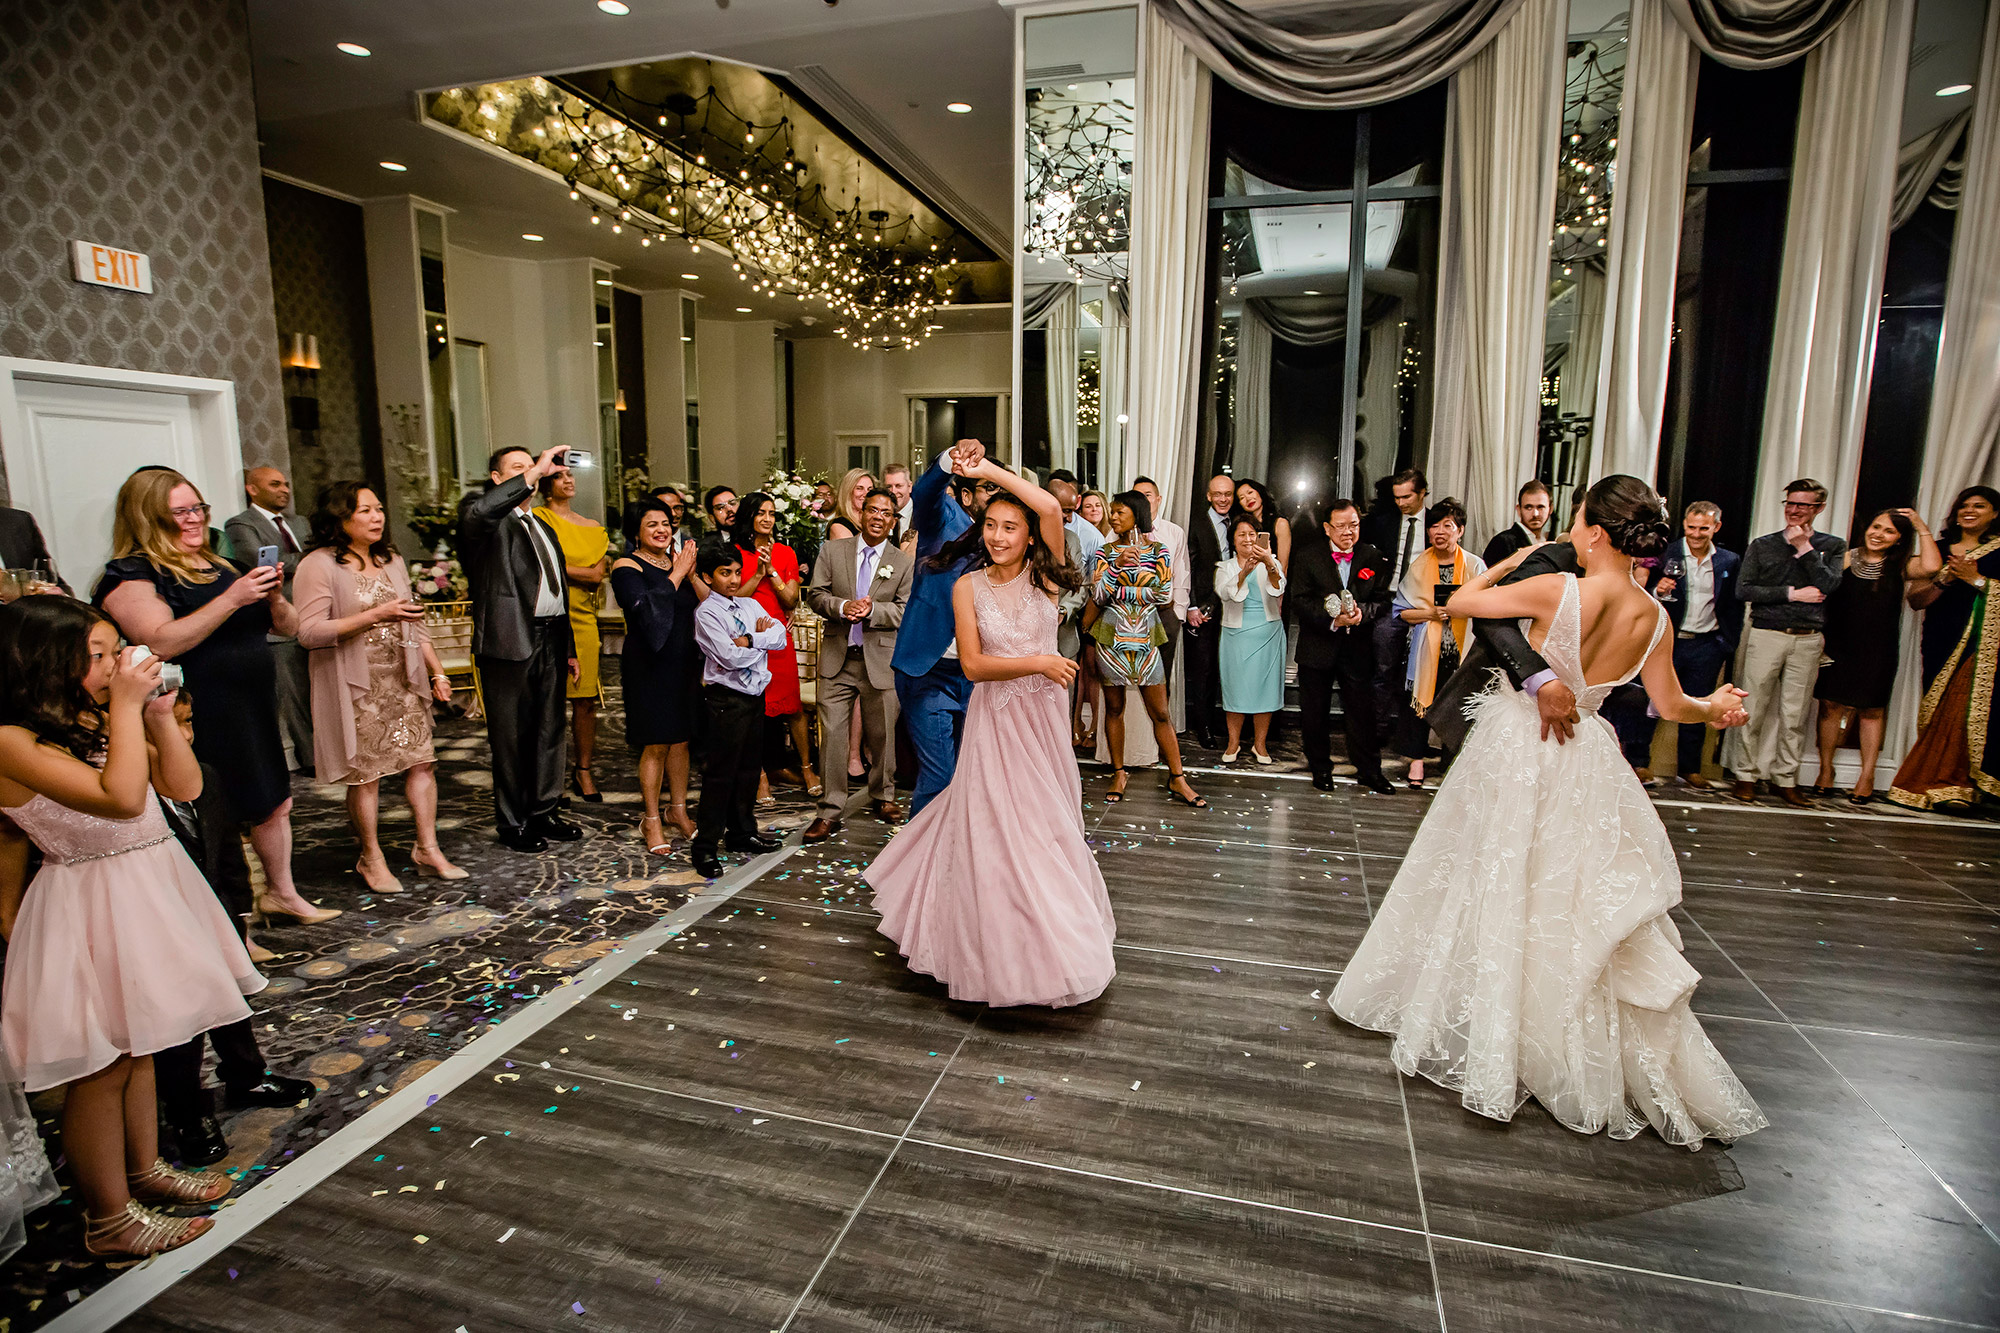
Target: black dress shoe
270,1090
751,844
706,865
199,1142
556,829
523,840
1376,783
1323,781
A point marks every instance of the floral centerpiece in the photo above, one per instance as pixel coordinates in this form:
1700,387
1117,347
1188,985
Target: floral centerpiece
438,580
801,516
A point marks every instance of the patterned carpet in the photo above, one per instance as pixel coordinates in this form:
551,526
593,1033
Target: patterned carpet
370,1001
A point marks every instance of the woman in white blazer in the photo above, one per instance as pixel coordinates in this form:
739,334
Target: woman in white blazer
1251,584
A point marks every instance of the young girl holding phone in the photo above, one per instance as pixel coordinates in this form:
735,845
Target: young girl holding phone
119,948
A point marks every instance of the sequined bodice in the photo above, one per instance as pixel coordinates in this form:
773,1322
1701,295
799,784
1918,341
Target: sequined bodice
1563,648
66,835
1016,619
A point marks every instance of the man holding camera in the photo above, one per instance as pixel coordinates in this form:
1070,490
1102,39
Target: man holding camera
521,645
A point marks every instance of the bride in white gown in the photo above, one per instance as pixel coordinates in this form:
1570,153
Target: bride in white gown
1525,948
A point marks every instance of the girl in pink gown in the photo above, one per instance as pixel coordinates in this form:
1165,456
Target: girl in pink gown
992,889
120,948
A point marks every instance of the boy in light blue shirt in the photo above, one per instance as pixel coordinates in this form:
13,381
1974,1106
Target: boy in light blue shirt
735,636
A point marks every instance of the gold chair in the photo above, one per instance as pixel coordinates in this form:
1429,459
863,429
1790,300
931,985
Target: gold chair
449,625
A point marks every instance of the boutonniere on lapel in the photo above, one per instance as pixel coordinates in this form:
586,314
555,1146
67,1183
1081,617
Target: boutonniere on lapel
884,571
1365,573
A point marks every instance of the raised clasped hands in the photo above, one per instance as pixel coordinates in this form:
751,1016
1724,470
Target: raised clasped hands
857,609
1725,708
1963,568
967,455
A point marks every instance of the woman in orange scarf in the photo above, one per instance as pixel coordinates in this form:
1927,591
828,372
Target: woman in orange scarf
1437,639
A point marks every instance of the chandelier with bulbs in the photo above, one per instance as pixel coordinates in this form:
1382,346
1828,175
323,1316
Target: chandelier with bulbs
1079,185
1584,175
690,170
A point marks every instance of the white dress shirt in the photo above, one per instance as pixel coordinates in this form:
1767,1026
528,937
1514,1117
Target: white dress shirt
1409,540
1174,537
288,539
1220,522
1087,535
1698,587
548,600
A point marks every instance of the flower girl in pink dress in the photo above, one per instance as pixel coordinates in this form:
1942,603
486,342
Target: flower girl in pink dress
992,889
120,949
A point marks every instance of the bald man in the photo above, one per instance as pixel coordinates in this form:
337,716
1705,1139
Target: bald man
263,524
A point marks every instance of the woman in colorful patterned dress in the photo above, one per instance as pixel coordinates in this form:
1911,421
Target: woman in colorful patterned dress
1130,579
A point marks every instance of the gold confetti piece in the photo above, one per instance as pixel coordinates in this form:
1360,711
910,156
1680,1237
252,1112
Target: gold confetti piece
497,1078
695,991
423,1240
373,1193
1311,1063
407,1189
362,1093
438,1186
760,978
563,1051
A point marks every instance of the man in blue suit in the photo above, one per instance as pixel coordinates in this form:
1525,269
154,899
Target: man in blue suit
930,688
1697,585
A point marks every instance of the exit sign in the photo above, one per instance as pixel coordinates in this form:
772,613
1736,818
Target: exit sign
108,266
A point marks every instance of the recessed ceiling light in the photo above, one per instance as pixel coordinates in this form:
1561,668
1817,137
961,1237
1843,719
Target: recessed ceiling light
692,277
743,310
614,7
686,339
1954,89
533,236
392,166
353,48
959,108
604,282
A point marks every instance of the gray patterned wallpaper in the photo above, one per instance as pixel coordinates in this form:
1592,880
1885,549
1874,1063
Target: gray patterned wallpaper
319,282
132,123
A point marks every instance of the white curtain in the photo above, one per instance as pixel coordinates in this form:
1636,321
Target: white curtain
1251,456
1931,166
1113,374
1376,433
1576,391
1836,244
1502,135
1065,313
1169,227
1962,446
1651,174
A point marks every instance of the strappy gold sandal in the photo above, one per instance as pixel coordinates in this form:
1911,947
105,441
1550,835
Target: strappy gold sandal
171,1185
157,1233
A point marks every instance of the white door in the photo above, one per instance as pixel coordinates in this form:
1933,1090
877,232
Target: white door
82,441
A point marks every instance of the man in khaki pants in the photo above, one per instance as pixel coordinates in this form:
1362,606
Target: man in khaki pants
1786,578
859,587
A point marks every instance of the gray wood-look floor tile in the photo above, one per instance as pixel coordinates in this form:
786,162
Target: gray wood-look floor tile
952,1241
1825,1202
651,1212
1284,906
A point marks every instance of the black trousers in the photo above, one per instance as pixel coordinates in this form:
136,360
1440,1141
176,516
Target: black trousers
1202,662
1355,672
729,774
1392,658
524,728
177,1070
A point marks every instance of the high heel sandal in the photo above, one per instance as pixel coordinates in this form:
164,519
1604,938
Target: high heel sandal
263,909
576,781
682,822
158,1232
654,835
1114,797
170,1185
393,885
434,870
1199,802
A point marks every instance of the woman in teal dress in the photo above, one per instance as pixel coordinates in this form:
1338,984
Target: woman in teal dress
1130,578
1251,584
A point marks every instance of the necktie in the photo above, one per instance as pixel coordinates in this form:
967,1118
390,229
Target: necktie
861,589
536,535
1406,548
291,543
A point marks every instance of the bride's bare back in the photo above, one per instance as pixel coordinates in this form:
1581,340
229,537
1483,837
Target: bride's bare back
1617,618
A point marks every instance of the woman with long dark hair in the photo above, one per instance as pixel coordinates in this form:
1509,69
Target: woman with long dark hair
1955,764
1864,637
661,671
991,888
1527,946
374,675
771,578
1255,501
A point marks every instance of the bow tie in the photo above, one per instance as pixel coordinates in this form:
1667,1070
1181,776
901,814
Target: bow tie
1343,556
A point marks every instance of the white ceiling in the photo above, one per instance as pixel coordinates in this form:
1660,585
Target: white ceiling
328,119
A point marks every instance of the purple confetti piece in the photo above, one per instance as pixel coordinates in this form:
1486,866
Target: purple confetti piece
576,1306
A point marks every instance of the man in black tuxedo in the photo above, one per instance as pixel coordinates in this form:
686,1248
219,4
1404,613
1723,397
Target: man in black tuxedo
1207,539
521,645
1336,643
21,544
1398,532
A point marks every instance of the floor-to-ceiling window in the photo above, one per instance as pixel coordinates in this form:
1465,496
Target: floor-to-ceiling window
1322,269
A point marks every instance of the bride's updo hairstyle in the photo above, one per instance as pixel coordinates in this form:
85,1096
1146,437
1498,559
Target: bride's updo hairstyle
1632,515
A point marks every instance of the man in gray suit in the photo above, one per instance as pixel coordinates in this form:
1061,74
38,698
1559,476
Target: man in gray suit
264,524
859,587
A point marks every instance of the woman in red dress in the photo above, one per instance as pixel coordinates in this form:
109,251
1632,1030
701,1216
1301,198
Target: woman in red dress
771,577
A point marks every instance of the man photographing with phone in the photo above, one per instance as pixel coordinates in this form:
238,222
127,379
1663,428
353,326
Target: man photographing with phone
521,644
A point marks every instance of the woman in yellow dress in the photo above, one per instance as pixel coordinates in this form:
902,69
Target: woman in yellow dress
585,546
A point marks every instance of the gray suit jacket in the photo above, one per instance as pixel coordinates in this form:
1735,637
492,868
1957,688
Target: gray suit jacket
888,593
1069,635
250,530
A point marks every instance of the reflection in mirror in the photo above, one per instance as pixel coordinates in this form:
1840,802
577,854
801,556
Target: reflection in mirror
1078,144
1574,331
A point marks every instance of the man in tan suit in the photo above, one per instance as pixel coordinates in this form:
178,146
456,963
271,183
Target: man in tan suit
859,587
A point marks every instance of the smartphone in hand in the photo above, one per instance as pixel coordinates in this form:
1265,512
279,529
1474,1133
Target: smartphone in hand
267,557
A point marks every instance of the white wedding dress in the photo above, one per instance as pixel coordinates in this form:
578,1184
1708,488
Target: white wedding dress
1525,948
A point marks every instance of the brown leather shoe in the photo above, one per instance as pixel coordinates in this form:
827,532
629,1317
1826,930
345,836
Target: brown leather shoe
1697,781
889,812
1744,791
1795,798
820,830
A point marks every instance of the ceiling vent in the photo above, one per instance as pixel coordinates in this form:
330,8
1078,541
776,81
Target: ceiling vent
1047,72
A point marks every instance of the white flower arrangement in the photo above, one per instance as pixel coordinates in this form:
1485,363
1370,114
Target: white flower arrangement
799,516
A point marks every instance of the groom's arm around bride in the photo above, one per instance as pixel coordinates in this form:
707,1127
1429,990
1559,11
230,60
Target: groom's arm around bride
1501,644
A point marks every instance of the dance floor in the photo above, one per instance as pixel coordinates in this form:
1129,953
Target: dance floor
751,1116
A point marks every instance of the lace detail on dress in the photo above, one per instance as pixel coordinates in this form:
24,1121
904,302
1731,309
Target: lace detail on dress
1016,619
1562,649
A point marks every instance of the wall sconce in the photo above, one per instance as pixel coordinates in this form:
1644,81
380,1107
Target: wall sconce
621,400
300,359
301,352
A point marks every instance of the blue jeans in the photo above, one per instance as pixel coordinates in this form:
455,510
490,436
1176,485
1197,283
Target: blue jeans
1697,661
933,707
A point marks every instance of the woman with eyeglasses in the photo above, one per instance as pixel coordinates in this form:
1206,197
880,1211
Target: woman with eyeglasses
168,589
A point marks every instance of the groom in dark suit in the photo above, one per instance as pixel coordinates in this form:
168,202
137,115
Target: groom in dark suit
521,645
1339,645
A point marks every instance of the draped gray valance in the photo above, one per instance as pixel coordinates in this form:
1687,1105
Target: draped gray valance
1308,53
1757,34
1040,300
1931,167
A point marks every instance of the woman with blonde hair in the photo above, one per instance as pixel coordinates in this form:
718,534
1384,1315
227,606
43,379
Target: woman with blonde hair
848,498
1095,509
168,589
